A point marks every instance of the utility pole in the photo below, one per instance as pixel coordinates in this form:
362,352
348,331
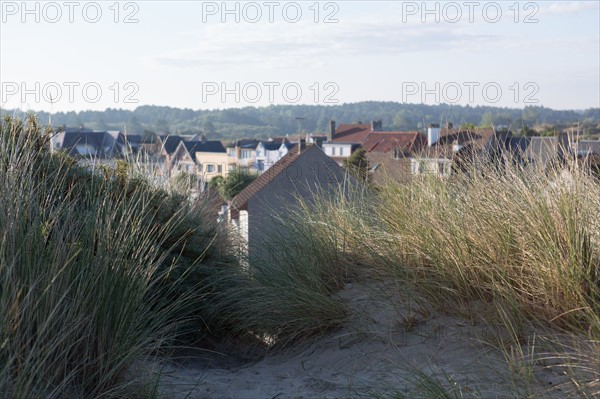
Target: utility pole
300,119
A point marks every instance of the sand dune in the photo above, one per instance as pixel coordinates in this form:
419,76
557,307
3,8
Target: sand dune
388,348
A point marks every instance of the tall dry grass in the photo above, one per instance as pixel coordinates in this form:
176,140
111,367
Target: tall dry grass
90,278
528,238
521,242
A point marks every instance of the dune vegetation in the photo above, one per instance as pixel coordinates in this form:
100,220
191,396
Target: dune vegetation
101,270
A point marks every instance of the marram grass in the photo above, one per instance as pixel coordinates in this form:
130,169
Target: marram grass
83,266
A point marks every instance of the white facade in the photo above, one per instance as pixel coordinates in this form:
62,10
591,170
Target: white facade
431,166
267,158
337,150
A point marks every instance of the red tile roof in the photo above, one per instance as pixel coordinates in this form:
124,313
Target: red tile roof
351,133
388,141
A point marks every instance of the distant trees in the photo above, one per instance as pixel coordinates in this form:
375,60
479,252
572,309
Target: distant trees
279,120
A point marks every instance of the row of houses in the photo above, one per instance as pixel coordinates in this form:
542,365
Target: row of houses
394,154
316,168
293,168
437,150
172,153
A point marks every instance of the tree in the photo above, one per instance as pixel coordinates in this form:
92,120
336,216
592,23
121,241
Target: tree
358,165
235,182
216,182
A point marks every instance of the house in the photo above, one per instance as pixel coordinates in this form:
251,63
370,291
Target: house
299,174
95,145
166,146
343,140
389,154
257,155
204,159
450,149
445,147
269,152
586,147
242,153
132,143
543,151
211,160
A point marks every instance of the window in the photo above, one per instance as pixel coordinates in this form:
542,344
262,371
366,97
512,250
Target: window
333,151
188,167
219,168
397,153
210,168
232,153
246,154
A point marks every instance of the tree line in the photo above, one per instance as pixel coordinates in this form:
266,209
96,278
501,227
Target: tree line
278,120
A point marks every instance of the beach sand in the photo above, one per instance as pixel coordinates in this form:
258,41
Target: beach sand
388,348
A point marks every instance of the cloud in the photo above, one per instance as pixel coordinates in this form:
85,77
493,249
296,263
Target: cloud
298,45
569,7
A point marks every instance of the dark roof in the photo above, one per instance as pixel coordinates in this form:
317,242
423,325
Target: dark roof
102,143
351,133
170,143
475,140
247,143
478,138
271,145
388,141
80,130
518,145
133,138
278,140
193,147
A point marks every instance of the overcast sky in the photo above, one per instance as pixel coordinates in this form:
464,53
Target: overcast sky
86,55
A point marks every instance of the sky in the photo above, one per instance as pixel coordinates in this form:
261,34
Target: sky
80,55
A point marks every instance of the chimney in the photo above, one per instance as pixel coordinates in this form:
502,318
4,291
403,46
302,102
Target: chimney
301,145
376,126
433,134
331,134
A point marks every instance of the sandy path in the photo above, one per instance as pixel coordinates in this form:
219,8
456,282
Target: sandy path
376,354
